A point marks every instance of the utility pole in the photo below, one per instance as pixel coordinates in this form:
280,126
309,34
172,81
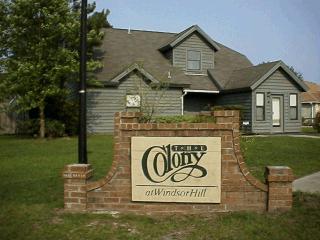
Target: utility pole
82,140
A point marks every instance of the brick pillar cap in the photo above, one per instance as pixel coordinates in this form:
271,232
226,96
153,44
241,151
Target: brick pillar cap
278,167
77,171
278,170
278,173
77,167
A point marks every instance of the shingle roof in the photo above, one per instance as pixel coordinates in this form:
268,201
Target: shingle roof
246,77
313,94
121,50
251,77
184,34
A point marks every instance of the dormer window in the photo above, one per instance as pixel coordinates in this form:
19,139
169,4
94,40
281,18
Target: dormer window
193,60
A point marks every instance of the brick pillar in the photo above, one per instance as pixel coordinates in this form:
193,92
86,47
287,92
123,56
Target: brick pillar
75,180
279,181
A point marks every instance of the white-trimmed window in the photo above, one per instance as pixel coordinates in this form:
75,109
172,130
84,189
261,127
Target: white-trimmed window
293,106
193,60
260,106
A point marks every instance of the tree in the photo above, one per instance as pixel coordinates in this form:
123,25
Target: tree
298,74
40,50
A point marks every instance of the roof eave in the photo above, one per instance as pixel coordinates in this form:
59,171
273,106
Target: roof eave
193,29
272,70
235,90
130,69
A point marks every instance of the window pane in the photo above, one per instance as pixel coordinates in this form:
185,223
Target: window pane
260,99
194,65
194,55
260,113
293,113
293,100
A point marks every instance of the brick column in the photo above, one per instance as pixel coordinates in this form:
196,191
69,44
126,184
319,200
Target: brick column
75,180
279,180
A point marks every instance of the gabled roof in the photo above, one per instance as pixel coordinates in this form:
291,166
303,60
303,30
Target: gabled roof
280,64
127,71
185,34
313,94
251,77
120,50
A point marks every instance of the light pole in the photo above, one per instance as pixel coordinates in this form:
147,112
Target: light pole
82,140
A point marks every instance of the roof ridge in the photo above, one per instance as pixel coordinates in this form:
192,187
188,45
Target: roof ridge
256,65
141,30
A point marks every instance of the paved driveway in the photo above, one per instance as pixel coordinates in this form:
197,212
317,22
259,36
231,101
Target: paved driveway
310,183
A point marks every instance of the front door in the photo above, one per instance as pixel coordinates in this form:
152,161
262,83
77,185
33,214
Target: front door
277,114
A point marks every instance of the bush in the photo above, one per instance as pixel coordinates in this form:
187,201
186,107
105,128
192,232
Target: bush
55,128
316,124
180,119
228,107
31,127
28,127
65,111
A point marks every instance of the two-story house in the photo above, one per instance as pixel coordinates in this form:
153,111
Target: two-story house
194,72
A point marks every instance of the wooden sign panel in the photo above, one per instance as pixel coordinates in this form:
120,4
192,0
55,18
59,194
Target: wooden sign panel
176,169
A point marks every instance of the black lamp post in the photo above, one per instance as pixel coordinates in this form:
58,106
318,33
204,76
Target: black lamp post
82,140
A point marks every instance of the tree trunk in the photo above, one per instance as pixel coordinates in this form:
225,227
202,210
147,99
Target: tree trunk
42,130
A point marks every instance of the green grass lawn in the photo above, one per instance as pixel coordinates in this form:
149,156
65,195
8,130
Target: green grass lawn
309,130
301,154
31,201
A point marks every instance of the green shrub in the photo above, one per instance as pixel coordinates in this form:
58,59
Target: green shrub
316,124
28,127
180,119
54,128
65,111
228,107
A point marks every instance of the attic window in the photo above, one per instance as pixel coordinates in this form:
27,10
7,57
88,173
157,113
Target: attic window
193,60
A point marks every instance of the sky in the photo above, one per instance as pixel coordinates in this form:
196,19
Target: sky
263,30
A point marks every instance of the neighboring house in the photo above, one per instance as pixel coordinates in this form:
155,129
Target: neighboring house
310,102
8,119
199,72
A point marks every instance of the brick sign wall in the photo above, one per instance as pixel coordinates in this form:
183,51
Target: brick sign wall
235,188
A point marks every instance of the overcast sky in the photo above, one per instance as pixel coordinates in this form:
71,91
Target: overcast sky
263,30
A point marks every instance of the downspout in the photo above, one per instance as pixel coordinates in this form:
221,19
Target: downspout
182,101
312,111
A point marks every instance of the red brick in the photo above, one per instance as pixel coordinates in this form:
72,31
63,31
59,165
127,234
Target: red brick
78,194
111,200
239,192
71,200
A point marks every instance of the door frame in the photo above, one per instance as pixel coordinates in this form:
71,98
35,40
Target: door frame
277,129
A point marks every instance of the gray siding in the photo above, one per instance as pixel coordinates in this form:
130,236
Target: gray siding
195,102
8,122
104,102
279,83
243,99
194,42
